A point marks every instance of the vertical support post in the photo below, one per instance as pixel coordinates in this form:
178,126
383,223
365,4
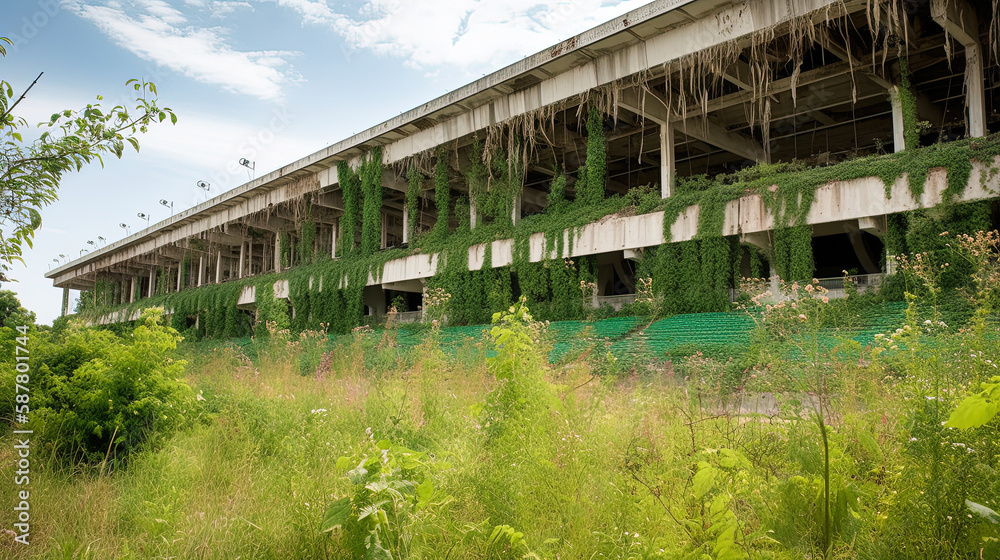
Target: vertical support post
515,214
277,251
406,224
65,302
131,292
975,90
667,161
385,232
958,18
898,124
243,248
218,268
333,238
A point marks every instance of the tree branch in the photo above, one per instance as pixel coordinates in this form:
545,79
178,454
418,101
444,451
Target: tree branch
11,108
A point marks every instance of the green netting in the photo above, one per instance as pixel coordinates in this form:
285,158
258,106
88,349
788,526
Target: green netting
717,335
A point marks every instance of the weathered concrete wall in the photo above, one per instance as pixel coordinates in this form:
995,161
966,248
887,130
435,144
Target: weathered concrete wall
835,202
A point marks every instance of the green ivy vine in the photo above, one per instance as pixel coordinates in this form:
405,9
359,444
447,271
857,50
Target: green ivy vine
370,173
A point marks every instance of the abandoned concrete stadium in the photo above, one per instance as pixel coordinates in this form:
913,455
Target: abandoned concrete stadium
683,89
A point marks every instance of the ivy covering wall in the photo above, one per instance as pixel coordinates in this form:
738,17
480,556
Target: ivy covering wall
691,276
442,195
350,185
371,187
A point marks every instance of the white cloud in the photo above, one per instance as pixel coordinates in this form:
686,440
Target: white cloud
157,32
222,8
470,35
312,11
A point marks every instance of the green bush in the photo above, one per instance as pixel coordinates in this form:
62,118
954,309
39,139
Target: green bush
106,397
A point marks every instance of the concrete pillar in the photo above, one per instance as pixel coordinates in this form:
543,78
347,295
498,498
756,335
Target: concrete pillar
515,215
131,292
277,252
406,224
243,248
975,90
218,268
958,18
65,302
667,161
385,231
333,238
898,124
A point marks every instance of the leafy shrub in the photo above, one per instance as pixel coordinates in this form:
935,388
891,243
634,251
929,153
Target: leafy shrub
110,397
395,509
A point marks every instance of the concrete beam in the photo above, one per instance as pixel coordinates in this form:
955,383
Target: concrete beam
654,107
958,18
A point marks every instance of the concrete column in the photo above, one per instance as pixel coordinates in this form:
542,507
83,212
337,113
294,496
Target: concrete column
385,232
667,165
975,90
406,224
898,124
958,18
218,268
277,252
131,292
515,215
333,238
243,248
65,302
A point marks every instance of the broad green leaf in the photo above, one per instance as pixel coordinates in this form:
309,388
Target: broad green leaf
973,412
704,479
984,511
336,515
425,490
357,474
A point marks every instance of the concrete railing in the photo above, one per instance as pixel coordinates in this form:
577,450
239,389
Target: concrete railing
834,285
406,317
616,302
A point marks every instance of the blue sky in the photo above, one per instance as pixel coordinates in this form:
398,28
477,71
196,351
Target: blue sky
268,80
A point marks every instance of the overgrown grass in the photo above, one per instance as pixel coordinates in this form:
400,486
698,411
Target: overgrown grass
654,458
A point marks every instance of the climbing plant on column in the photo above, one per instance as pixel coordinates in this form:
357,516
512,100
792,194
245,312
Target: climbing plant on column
442,193
414,179
370,173
592,191
350,185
